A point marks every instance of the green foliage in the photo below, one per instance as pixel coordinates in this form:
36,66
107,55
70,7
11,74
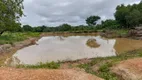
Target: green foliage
64,27
122,32
51,65
108,76
105,67
87,68
105,72
10,12
133,18
121,12
39,29
27,28
92,20
110,24
129,16
10,38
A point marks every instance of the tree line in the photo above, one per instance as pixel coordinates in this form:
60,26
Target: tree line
126,17
129,16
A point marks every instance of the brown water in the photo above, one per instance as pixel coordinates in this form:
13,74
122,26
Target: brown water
58,48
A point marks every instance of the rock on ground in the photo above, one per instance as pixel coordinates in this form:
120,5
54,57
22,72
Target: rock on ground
44,74
129,69
4,48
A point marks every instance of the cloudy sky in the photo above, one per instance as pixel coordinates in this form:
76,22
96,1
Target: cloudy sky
56,12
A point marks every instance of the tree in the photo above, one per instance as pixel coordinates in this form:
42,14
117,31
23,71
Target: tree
10,12
64,27
140,9
129,16
110,24
43,28
120,15
17,28
134,18
27,28
92,20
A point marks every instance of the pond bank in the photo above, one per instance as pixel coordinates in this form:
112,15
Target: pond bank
44,74
101,67
96,66
129,69
12,48
104,33
7,50
120,33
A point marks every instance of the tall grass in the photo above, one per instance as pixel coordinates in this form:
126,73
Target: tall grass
10,38
51,65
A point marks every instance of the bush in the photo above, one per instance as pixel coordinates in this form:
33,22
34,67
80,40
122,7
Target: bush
10,38
51,65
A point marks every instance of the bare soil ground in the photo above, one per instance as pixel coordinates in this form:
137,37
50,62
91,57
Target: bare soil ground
44,74
129,69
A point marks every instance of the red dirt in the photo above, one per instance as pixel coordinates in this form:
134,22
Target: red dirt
44,74
129,69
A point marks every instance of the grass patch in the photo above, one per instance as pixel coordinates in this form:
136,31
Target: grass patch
122,31
87,68
10,38
51,65
105,73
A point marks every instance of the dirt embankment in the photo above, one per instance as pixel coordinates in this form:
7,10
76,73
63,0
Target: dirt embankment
44,74
129,69
136,33
66,34
6,48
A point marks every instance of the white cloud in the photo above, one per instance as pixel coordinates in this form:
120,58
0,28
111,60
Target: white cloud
56,12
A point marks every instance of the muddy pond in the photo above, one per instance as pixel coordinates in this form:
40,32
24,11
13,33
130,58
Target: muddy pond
59,48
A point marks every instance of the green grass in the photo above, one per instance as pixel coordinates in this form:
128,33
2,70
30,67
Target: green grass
105,64
105,73
122,32
10,38
51,65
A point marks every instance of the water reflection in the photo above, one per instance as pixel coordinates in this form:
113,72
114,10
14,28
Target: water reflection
54,48
123,45
61,38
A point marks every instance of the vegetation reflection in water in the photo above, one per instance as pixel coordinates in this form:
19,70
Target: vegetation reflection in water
59,48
